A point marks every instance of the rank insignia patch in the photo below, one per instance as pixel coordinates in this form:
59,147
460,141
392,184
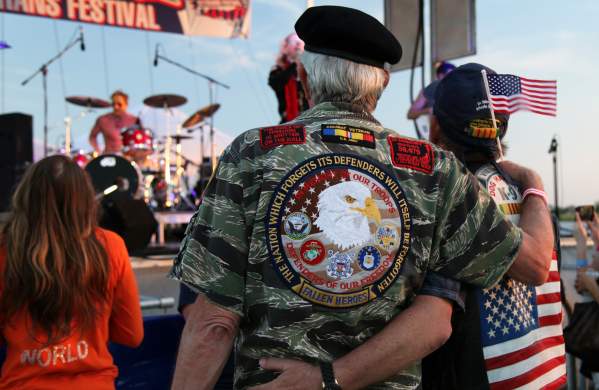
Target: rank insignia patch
344,134
271,137
406,153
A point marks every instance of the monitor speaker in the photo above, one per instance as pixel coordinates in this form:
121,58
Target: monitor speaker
16,152
129,218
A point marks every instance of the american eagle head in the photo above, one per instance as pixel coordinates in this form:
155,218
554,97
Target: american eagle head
343,213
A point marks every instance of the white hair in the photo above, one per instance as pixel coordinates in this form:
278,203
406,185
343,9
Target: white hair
335,79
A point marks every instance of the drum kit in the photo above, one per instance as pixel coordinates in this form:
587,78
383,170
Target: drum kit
149,168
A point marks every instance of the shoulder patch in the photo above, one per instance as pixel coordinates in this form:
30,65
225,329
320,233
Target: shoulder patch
350,135
271,137
406,153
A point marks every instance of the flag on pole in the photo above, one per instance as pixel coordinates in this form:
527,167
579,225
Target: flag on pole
509,93
521,333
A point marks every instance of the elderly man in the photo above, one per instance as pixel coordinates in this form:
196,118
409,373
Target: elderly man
315,236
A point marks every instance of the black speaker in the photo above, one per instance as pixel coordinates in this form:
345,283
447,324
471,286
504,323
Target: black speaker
129,218
16,152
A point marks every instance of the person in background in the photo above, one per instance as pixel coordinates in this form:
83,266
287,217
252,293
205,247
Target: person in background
512,315
586,279
423,105
110,125
284,81
66,286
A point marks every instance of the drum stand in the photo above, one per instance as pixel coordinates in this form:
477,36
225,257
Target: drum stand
211,84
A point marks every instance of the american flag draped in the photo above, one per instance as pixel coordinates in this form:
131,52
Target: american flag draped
509,93
521,333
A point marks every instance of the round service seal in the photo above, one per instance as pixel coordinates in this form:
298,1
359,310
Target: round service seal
338,229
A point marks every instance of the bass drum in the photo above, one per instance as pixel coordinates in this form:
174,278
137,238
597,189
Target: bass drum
110,169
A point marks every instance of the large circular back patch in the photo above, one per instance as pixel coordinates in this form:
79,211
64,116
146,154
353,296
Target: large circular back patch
338,230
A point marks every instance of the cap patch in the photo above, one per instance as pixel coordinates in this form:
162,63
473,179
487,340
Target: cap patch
271,137
344,134
406,153
483,128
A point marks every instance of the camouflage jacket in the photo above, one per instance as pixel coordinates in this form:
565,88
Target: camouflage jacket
319,231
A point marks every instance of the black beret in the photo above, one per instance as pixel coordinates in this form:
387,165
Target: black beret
347,33
462,108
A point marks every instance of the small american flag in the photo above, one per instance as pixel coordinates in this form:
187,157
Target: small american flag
511,93
521,333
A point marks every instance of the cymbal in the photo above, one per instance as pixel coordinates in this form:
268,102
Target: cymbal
180,137
200,115
88,101
165,100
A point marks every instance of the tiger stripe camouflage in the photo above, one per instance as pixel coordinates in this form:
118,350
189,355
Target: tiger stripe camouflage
317,245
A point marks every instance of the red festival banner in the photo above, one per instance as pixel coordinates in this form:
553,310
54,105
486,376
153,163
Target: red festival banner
220,18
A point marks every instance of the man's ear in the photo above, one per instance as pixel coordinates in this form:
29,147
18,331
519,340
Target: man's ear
387,78
303,76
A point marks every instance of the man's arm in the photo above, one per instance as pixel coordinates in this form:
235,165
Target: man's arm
205,345
417,108
414,333
93,135
534,258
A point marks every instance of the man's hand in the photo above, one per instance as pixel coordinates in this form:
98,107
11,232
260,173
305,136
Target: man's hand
583,282
295,374
526,178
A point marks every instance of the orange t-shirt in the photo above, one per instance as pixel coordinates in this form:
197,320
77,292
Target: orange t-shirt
82,360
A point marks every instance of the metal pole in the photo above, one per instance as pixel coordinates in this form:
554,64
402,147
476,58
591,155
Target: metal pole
211,94
45,87
555,184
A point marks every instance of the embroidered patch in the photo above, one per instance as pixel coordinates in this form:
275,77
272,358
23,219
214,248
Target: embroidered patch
312,252
344,134
483,128
406,153
506,196
271,137
338,229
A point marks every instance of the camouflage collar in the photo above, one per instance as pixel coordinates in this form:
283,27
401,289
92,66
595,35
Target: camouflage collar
337,110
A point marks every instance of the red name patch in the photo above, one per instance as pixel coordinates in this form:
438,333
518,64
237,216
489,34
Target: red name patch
282,135
417,155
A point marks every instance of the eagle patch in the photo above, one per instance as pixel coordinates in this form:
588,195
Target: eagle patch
271,137
338,229
407,153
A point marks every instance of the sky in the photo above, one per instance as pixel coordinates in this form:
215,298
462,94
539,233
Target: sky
554,41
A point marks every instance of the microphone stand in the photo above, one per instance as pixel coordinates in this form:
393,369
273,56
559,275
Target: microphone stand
43,70
211,84
553,150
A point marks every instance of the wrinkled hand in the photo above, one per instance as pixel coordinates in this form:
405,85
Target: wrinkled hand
527,178
295,374
583,282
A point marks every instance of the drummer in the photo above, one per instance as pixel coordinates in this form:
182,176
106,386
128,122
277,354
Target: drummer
111,124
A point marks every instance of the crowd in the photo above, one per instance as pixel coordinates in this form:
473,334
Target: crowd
328,252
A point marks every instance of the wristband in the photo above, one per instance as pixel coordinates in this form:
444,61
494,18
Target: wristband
535,192
328,377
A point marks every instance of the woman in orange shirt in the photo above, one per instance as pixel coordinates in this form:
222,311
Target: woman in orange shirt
66,286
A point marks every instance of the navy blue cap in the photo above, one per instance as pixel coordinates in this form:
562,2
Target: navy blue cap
462,108
347,33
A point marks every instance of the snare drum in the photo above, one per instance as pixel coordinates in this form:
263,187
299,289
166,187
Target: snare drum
137,142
